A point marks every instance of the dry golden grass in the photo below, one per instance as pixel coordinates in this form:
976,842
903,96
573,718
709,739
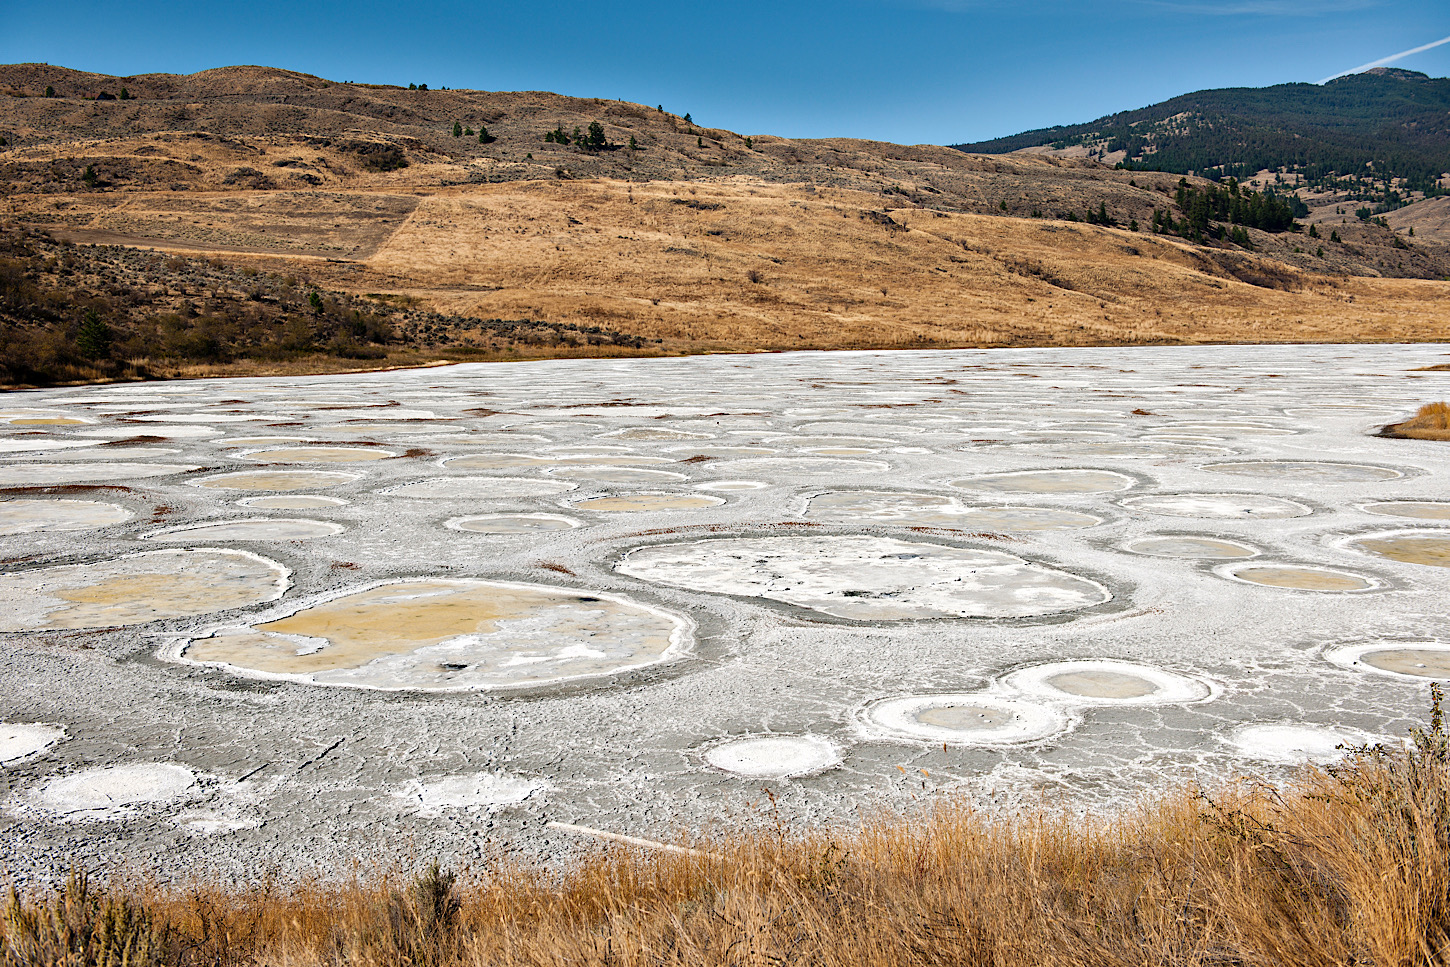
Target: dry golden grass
742,264
1346,867
1432,422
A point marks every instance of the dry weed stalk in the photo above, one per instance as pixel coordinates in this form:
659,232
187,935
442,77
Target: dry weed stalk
1346,866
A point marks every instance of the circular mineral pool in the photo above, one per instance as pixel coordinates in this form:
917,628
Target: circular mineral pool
732,486
51,474
963,719
444,634
654,433
1430,548
1410,660
320,455
261,441
512,523
867,578
1411,509
256,529
1016,518
480,488
497,461
1290,744
1218,506
31,516
1048,482
292,502
787,467
138,588
773,756
1308,470
624,475
1301,577
96,793
277,480
482,792
48,445
637,502
1107,682
23,740
1192,548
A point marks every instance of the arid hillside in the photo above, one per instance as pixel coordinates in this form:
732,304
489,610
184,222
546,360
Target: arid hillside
669,235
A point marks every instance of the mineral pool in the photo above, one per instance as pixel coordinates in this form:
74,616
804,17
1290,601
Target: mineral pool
280,623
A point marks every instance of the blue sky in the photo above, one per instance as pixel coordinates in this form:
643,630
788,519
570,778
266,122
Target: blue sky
912,71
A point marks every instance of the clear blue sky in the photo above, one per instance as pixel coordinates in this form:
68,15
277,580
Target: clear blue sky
913,71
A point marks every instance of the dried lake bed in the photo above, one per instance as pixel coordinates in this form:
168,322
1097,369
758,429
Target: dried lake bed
291,624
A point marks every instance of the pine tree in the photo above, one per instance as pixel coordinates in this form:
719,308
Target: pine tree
457,130
89,176
412,87
125,94
633,145
483,136
93,340
49,91
688,119
596,140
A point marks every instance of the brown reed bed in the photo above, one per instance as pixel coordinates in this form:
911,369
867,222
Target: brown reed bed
1346,866
1431,422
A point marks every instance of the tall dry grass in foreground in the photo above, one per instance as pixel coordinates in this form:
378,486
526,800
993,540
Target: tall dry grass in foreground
1432,422
1347,866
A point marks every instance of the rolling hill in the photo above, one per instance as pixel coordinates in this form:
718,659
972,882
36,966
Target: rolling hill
197,215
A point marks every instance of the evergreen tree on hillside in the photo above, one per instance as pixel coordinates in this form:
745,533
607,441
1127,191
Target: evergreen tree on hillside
93,339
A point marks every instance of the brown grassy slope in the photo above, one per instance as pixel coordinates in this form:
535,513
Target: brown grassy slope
674,261
1345,868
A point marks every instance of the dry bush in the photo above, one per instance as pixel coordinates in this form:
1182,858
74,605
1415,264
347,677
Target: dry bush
1346,866
1432,422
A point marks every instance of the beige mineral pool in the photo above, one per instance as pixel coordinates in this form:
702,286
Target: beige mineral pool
1414,660
1312,471
616,475
1411,509
1048,482
320,455
137,588
867,578
292,502
1430,548
772,756
43,515
105,793
887,507
282,481
1192,548
1300,577
253,529
22,741
633,503
962,719
53,474
1218,506
480,488
436,634
480,792
1107,682
1292,744
512,523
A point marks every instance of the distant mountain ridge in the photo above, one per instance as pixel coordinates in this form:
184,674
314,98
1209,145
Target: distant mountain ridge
1381,123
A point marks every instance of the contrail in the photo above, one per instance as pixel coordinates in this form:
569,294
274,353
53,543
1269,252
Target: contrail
1388,60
